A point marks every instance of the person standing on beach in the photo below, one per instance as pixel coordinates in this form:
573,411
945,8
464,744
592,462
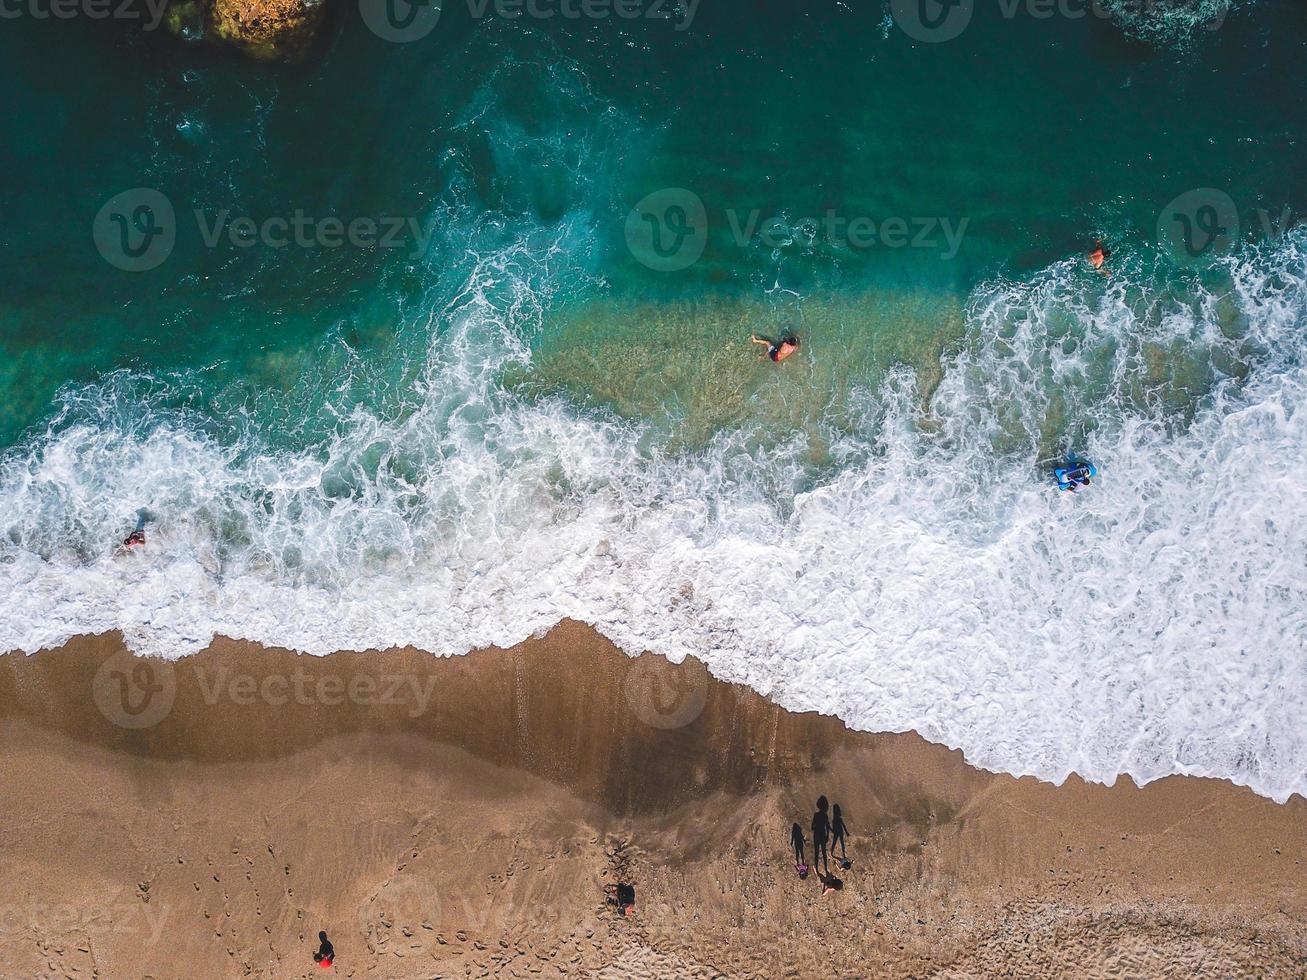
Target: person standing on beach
820,833
837,832
796,838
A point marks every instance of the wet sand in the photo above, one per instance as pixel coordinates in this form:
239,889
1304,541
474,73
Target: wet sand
459,818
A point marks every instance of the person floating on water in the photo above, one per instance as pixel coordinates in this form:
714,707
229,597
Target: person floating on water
1076,474
1099,255
326,954
837,832
820,833
796,838
778,350
137,538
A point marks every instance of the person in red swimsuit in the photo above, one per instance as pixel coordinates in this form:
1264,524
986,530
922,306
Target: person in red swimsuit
778,350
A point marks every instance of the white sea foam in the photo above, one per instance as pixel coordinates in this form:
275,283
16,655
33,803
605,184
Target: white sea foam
1155,624
1172,22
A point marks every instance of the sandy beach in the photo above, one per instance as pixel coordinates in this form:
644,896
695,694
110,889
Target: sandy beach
460,817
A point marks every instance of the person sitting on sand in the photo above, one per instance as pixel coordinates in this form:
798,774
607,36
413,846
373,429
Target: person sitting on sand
326,953
1099,255
778,350
820,832
837,832
623,896
796,838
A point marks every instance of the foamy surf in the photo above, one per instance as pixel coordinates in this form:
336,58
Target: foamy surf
935,580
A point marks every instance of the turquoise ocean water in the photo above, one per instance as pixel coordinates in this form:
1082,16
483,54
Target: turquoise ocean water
538,398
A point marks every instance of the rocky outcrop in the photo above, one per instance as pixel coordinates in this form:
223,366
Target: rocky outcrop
266,29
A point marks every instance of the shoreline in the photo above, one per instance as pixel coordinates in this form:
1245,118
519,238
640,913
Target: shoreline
258,795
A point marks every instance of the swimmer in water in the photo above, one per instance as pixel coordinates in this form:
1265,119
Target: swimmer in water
1077,477
778,350
137,538
1099,256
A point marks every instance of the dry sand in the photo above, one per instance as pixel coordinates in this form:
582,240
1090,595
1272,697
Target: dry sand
459,818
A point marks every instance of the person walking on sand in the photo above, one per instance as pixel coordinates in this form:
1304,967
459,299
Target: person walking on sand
796,839
820,834
837,832
778,350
